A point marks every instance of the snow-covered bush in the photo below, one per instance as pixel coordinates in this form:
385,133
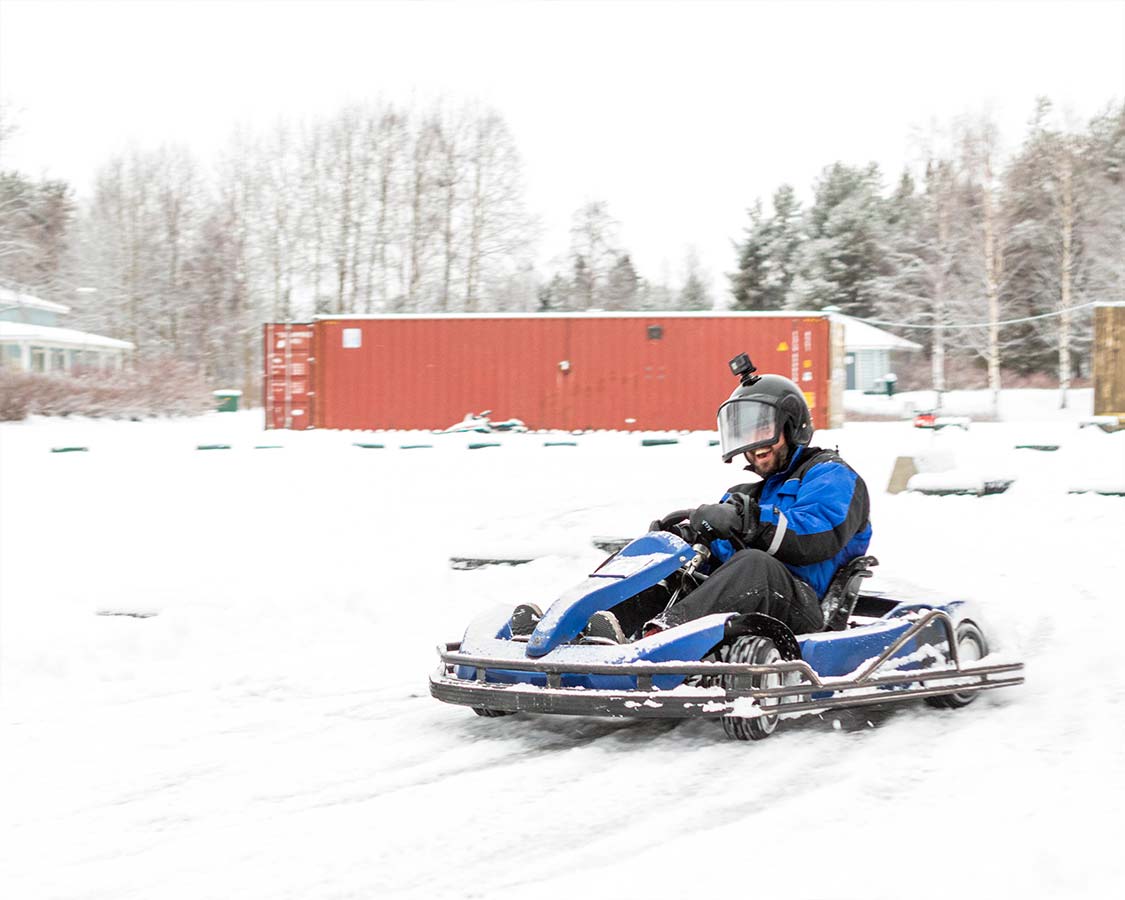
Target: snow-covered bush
154,388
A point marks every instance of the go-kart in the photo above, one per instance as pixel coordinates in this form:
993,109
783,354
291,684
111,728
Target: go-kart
748,670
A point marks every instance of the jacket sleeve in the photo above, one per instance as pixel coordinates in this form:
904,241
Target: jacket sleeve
814,518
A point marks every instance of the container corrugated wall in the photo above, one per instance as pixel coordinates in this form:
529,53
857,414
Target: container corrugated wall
603,371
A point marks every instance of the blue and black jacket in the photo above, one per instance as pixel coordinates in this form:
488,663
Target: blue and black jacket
814,516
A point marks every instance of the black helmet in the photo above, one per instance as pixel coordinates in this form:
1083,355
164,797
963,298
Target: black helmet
761,409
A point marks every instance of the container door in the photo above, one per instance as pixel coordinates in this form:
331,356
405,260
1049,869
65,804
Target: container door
288,378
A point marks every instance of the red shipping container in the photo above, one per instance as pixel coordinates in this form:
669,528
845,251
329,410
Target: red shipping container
287,391
620,371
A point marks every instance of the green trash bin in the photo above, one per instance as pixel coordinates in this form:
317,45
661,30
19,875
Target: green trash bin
227,401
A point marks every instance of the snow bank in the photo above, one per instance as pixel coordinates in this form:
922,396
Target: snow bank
1014,405
266,730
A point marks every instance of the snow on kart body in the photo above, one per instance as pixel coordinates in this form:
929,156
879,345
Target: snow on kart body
745,669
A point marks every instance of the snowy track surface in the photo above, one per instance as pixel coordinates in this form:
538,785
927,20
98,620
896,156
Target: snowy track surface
266,730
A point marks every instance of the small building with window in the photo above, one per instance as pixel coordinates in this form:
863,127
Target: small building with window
31,339
867,354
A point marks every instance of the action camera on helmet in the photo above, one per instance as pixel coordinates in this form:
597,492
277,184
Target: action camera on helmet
761,410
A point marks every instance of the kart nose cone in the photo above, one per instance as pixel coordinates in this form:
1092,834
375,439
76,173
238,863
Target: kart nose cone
539,644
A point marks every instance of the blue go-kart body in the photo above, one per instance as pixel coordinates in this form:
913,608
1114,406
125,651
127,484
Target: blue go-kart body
725,666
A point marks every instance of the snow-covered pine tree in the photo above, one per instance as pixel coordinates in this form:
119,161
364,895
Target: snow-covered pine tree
845,228
783,240
582,284
694,294
621,285
748,282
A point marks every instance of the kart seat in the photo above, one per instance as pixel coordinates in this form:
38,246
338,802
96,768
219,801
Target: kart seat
843,592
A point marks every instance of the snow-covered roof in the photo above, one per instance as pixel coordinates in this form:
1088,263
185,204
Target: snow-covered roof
8,297
10,332
859,335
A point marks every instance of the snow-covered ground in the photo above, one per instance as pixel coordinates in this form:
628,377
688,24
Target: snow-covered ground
253,719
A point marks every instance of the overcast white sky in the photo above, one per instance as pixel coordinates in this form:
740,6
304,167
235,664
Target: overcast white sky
677,114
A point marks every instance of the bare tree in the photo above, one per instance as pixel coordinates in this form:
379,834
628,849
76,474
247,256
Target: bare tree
500,230
448,136
386,138
593,243
980,162
345,178
179,199
314,150
281,225
924,283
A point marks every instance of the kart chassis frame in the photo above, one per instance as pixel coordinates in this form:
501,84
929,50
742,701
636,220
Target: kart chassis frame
801,689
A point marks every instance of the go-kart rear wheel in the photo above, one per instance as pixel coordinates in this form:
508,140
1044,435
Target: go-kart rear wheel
490,713
971,646
757,651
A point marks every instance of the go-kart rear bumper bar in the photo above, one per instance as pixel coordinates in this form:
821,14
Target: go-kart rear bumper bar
800,689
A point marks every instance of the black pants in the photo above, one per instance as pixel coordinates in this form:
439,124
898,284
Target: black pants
752,581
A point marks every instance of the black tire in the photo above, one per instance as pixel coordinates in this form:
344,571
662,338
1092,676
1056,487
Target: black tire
971,646
490,713
756,651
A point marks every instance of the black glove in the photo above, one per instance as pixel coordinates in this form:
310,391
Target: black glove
670,521
735,520
715,520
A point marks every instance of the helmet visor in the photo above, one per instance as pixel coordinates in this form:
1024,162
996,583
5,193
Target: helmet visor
745,424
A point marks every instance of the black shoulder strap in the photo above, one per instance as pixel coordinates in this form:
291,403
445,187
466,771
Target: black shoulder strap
751,489
811,457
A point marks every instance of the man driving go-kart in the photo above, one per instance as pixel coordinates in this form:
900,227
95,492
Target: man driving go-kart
747,610
780,540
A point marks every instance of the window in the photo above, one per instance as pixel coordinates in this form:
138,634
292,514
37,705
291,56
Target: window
38,359
655,332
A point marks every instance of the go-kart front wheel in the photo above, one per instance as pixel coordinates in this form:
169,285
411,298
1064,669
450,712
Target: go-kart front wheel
971,646
757,651
490,713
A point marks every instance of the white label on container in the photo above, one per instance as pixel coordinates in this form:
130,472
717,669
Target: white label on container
353,338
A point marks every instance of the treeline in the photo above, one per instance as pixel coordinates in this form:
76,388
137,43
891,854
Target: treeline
600,273
384,209
378,209
1031,239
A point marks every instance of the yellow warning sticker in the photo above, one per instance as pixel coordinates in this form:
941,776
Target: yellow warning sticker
782,347
810,398
807,364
